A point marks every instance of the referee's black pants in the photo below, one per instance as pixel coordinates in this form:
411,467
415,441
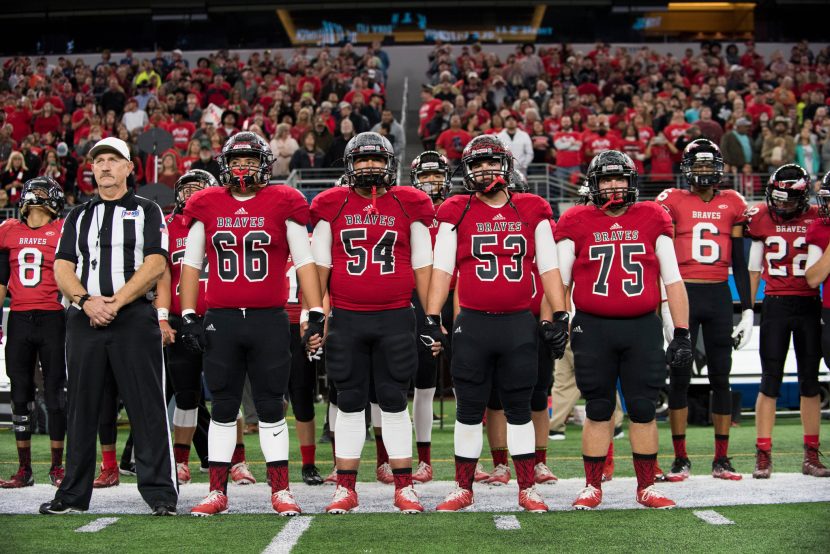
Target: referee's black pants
130,348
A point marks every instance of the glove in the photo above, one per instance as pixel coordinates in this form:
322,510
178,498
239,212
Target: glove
743,331
315,356
431,332
316,322
192,334
555,334
679,353
668,324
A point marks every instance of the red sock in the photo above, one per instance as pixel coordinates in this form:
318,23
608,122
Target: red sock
238,454
277,475
679,442
308,453
593,470
610,454
57,457
347,478
219,476
465,470
403,477
811,441
644,468
109,459
383,457
181,452
24,457
541,454
721,446
525,474
764,443
499,456
424,452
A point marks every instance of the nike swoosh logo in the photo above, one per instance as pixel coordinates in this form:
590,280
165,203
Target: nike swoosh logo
278,434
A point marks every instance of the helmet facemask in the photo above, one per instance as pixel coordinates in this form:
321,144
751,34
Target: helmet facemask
40,193
823,201
613,198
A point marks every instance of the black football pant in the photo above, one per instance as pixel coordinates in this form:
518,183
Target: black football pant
303,379
825,335
33,335
426,377
541,390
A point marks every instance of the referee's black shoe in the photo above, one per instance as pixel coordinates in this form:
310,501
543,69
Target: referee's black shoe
164,510
311,475
59,507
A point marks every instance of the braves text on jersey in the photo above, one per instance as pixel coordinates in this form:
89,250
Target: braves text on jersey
31,258
785,250
495,250
371,256
616,272
177,232
703,231
246,244
818,234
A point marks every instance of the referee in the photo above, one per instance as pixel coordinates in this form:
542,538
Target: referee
112,251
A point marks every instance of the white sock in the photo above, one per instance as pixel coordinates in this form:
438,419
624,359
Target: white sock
397,435
422,414
377,419
221,441
521,439
468,440
350,433
273,439
184,418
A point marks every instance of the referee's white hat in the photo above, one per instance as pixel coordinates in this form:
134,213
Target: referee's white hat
111,144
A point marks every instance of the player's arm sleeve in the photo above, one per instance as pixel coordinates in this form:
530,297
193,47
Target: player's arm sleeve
155,232
546,255
756,256
6,270
420,245
68,244
298,244
446,244
566,255
669,271
321,241
814,254
740,272
194,252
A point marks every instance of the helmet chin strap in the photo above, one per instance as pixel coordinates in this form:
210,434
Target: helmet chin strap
614,202
499,180
241,174
374,210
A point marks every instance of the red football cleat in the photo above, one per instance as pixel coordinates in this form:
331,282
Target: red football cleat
480,475
588,499
183,473
56,475
331,479
423,474
384,474
722,469
284,504
107,478
543,475
680,470
458,499
23,478
652,498
407,502
241,474
500,476
343,501
214,503
531,501
659,474
608,469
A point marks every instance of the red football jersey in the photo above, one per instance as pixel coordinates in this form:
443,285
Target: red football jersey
703,231
246,244
177,231
818,234
495,251
371,256
616,272
31,257
785,250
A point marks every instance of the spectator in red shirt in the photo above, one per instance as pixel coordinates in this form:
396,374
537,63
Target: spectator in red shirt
47,121
429,107
660,152
674,130
451,142
169,172
190,155
568,145
181,129
310,77
19,117
218,91
635,147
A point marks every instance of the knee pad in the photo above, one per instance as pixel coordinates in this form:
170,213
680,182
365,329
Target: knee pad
22,421
351,400
272,410
721,394
55,399
641,410
303,408
187,400
539,401
225,411
516,406
599,409
391,398
469,413
809,388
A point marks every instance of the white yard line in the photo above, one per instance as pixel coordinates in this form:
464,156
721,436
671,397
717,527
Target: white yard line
712,517
506,523
288,537
96,525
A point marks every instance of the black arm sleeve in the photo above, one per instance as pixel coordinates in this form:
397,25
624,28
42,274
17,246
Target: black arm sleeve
741,273
5,268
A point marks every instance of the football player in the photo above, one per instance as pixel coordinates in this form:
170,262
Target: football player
614,252
791,309
36,327
247,229
708,230
492,237
372,248
818,260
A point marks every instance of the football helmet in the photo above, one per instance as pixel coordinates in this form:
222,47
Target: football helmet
370,145
823,198
41,191
518,182
249,145
702,163
192,181
431,162
486,147
612,163
788,192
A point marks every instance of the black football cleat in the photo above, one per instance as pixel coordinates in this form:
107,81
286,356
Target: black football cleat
58,507
164,510
311,475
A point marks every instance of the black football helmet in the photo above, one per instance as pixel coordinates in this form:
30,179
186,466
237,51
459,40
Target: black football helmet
612,163
370,145
823,198
41,191
431,162
702,163
192,181
788,192
486,147
250,145
518,182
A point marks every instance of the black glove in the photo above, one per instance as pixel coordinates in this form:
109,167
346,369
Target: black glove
192,334
555,334
431,332
316,321
679,353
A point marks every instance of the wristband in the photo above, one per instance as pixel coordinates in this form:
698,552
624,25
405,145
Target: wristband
164,313
82,300
188,312
303,316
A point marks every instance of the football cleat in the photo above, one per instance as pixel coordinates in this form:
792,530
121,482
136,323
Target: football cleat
652,498
722,469
204,467
331,478
556,436
384,474
107,478
241,475
608,469
531,501
458,499
162,510
58,507
812,464
56,475
618,432
407,502
23,478
423,474
343,501
214,503
543,475
659,474
589,498
311,475
679,471
127,468
763,464
500,476
480,474
284,504
183,473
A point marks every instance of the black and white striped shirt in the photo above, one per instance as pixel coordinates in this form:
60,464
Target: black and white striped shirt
107,240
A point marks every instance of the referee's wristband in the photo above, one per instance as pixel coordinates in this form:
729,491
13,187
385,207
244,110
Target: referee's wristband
164,314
